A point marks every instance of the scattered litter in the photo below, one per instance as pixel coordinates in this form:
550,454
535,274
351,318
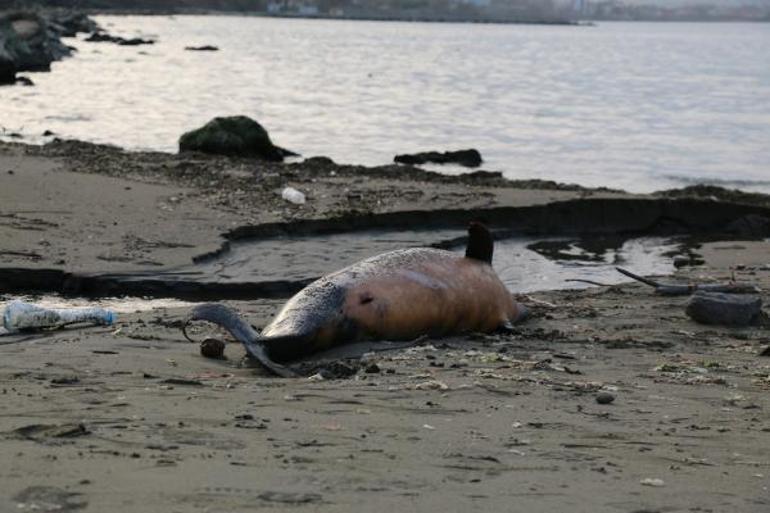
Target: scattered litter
428,426
19,316
431,385
292,195
652,481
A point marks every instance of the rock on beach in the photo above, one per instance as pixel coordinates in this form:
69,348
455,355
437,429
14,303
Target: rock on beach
234,136
467,158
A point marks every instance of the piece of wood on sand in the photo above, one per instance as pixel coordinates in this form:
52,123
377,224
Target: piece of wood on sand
675,289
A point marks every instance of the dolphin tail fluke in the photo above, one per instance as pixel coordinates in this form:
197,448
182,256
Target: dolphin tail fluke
232,321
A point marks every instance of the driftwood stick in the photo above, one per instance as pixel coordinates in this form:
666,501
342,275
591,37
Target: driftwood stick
672,289
636,277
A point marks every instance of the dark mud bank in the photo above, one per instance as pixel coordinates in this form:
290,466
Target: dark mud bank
633,216
208,277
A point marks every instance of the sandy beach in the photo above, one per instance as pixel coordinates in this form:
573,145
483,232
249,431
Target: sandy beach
131,417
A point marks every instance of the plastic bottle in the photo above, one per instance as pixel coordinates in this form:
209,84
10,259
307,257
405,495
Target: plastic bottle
21,316
292,195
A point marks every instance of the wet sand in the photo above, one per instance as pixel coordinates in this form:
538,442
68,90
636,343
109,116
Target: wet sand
101,209
131,417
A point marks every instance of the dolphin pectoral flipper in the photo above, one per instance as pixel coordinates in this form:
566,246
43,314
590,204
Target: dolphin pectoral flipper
521,314
258,351
359,349
241,330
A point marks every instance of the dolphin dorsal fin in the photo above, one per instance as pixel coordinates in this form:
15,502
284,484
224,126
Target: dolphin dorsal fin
480,244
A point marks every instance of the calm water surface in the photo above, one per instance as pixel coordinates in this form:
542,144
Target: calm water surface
637,106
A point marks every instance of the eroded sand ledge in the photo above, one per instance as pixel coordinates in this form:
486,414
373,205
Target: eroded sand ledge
93,220
133,418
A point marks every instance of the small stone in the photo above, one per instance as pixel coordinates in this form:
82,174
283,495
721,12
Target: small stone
681,261
604,398
213,348
372,369
65,380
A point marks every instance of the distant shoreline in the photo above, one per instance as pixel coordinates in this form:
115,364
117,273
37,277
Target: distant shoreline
403,19
256,14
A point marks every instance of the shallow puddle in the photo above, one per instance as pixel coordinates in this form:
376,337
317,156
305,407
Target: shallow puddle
532,265
524,264
280,266
298,258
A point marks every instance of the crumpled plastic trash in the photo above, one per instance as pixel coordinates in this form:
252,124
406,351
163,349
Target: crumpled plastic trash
292,195
19,316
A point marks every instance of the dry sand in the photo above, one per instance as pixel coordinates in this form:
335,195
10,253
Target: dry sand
132,418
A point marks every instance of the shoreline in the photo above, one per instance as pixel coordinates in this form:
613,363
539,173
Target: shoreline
405,19
486,20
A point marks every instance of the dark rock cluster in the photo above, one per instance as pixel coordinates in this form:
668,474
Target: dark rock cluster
103,37
31,41
467,158
204,48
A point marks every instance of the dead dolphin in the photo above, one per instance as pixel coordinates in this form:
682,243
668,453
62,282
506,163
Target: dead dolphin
399,295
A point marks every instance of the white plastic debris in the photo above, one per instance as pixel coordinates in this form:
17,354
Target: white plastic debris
292,195
19,315
652,481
